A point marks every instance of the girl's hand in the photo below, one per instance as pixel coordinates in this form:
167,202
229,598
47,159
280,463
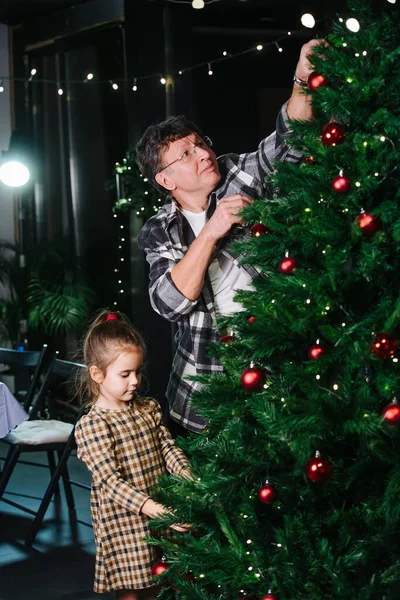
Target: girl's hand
153,510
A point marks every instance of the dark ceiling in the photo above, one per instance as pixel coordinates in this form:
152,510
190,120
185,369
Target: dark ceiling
263,14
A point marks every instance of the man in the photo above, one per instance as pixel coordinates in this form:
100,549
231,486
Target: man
193,273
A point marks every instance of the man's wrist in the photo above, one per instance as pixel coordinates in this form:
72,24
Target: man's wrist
301,82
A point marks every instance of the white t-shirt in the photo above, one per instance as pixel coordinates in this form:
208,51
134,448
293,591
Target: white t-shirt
224,275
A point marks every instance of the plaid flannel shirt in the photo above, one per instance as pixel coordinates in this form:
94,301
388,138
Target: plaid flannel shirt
165,238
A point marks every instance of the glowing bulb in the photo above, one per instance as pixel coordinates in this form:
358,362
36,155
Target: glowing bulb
308,20
353,25
198,4
210,71
1,88
224,53
392,1
33,71
114,86
60,91
14,174
89,76
259,47
163,81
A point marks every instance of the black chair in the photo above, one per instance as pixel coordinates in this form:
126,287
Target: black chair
27,366
57,397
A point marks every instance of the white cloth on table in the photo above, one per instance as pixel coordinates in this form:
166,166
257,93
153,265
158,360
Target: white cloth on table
11,412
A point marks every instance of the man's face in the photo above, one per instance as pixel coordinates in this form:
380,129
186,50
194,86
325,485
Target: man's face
194,168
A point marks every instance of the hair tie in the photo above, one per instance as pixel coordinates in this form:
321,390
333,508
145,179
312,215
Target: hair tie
112,317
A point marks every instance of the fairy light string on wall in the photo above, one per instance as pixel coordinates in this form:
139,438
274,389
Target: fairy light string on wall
116,83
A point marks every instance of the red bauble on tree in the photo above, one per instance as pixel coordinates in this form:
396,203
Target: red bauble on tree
287,265
258,230
368,224
227,340
267,493
159,567
251,319
309,160
269,596
315,351
253,378
341,184
319,469
391,413
316,80
384,345
333,134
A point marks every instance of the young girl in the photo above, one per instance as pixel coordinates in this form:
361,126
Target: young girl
126,447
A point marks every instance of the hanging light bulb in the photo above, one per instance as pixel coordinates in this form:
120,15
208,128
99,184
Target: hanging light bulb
114,85
259,47
163,81
60,91
308,20
210,71
134,87
88,77
198,4
353,25
278,47
1,86
14,171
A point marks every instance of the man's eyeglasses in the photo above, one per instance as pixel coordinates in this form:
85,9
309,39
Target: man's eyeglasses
188,154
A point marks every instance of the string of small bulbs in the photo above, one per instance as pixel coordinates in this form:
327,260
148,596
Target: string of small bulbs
307,20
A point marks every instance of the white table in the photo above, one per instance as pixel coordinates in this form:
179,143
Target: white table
11,412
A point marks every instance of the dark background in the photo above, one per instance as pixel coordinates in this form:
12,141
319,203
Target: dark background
78,137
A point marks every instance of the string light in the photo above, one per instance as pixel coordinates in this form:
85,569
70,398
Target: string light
198,4
1,86
278,47
60,91
114,85
33,73
210,71
308,20
134,87
163,81
353,25
259,47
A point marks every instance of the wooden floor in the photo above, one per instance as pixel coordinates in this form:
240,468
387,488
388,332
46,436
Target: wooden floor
60,564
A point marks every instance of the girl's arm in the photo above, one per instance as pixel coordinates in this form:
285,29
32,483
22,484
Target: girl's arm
175,460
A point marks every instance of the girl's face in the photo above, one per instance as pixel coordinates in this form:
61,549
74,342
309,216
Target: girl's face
121,378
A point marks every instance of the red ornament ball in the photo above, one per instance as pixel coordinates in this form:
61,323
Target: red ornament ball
253,378
391,413
287,265
341,184
227,340
269,597
384,345
258,230
309,160
251,319
368,224
316,80
333,134
267,494
315,351
159,567
319,469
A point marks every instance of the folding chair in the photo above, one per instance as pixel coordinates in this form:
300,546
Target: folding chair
54,436
27,365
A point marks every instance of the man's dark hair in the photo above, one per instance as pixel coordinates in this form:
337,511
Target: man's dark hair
157,137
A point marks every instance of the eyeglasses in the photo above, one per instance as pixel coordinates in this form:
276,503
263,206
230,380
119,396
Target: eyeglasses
188,154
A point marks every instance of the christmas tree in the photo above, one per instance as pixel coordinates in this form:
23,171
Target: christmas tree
296,488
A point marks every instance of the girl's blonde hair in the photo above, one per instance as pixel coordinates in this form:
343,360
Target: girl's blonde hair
108,335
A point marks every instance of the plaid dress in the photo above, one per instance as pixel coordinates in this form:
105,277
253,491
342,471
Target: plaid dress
166,237
125,450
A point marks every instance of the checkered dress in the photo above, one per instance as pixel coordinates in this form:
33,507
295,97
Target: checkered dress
125,451
166,237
